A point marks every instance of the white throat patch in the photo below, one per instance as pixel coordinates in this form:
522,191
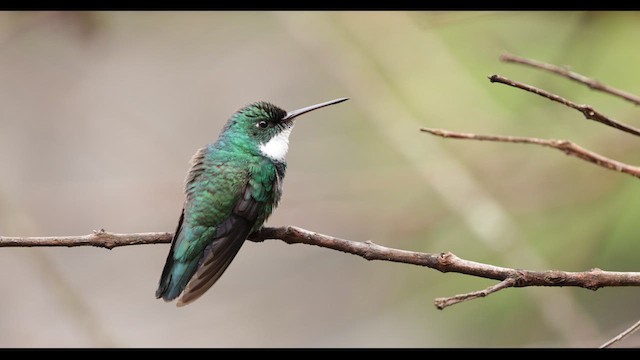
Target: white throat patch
276,148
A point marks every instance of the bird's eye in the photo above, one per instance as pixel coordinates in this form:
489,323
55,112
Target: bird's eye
262,124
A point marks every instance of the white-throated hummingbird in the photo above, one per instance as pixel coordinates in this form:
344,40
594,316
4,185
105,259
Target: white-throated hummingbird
231,189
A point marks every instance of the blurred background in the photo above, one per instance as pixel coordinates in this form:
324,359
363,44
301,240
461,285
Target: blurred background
100,113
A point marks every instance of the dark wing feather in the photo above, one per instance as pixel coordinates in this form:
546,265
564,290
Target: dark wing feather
165,279
229,237
166,288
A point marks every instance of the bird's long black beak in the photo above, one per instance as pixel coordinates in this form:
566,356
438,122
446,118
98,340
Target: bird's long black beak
295,113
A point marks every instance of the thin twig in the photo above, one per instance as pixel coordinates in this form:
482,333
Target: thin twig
443,262
565,146
564,71
442,303
622,335
587,110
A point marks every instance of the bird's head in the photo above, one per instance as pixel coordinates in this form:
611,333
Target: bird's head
265,128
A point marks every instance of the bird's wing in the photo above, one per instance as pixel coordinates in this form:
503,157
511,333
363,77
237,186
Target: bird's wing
209,236
167,282
229,237
182,258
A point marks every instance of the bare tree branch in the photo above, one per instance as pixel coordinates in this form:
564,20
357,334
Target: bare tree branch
565,146
443,262
587,110
564,71
622,335
99,238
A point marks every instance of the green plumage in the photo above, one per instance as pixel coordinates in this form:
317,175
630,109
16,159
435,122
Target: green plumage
231,189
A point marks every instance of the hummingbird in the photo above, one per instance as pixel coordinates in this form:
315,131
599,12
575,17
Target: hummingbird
232,187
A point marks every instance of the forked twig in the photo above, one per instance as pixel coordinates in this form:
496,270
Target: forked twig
587,110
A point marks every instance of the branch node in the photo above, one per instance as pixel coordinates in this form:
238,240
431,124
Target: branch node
446,258
592,279
370,251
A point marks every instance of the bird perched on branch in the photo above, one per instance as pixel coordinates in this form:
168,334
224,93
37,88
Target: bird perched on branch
231,189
